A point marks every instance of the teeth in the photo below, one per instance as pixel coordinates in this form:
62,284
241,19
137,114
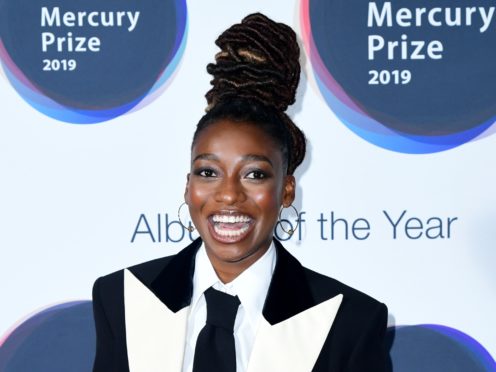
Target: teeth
223,218
230,233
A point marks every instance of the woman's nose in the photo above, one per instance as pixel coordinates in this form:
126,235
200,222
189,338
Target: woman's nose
230,191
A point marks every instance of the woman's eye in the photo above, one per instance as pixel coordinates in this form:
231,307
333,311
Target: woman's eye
256,175
206,173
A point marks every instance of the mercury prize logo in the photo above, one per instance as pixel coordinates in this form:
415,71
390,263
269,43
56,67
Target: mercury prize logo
88,61
412,77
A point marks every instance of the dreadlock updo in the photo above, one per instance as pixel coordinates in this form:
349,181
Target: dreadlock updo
255,76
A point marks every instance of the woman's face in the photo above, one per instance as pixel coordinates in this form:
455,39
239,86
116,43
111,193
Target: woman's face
234,192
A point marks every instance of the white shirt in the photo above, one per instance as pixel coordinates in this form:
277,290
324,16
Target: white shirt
251,286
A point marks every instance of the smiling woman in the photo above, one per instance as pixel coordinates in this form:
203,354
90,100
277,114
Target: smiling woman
235,299
236,187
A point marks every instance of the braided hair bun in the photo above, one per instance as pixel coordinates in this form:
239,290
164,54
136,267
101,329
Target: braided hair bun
255,77
259,60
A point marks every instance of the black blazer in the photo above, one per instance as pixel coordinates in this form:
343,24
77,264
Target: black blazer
310,322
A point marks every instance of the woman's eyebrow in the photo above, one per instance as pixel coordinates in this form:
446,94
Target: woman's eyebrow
248,157
206,156
255,157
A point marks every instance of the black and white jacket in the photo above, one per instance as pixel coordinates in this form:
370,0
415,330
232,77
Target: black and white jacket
310,322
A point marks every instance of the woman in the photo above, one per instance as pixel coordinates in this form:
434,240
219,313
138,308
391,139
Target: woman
235,299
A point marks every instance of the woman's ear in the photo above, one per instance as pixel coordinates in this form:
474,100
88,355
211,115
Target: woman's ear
289,191
186,190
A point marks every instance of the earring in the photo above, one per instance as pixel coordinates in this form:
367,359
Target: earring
190,228
290,232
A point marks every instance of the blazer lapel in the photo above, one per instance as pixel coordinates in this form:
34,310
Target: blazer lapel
156,313
294,344
155,335
294,325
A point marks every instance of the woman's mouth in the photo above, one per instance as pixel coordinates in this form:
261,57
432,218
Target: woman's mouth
229,228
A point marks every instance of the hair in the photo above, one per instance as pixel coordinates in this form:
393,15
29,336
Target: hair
255,77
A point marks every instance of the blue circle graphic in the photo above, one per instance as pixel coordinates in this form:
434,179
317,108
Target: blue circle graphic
410,77
88,61
58,339
434,348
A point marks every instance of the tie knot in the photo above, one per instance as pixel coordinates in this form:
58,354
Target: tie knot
221,309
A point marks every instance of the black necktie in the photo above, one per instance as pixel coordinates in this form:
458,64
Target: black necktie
215,344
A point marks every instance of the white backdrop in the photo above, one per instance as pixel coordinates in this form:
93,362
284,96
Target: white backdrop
71,197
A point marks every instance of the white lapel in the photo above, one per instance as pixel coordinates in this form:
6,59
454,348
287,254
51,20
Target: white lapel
294,344
155,335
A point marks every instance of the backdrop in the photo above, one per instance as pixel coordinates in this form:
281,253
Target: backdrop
99,100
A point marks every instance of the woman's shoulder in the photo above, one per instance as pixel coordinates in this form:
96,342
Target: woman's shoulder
358,331
358,311
157,274
145,272
325,286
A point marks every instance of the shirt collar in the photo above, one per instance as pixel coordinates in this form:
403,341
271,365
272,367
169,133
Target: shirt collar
251,286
